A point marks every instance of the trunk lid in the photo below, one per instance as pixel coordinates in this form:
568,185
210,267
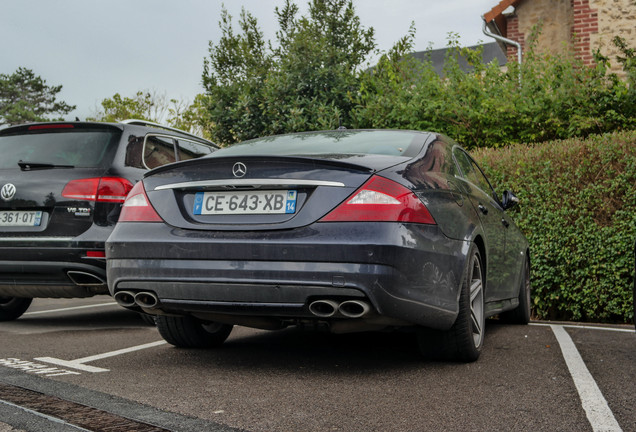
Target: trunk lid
257,192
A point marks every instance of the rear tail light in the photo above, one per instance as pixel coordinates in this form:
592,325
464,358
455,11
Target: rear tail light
137,208
95,254
100,189
381,200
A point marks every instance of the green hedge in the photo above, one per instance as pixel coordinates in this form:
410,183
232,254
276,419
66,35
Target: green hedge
578,210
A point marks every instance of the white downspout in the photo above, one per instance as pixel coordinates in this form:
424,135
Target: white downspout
504,40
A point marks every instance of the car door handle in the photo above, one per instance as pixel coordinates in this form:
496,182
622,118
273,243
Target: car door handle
483,209
505,222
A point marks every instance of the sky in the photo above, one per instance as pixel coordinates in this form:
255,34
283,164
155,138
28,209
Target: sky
96,48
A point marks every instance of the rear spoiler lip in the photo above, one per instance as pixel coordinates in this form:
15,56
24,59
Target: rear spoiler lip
54,126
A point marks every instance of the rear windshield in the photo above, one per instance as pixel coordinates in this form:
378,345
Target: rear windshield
84,148
381,142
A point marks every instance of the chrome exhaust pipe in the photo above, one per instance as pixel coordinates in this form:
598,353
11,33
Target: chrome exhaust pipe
125,298
147,300
81,278
354,308
323,308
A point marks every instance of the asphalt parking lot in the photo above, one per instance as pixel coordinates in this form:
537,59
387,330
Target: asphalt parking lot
91,354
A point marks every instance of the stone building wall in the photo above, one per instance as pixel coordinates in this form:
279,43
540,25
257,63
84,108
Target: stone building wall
575,26
556,18
615,18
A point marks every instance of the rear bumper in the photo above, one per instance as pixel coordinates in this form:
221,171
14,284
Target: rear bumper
409,273
52,267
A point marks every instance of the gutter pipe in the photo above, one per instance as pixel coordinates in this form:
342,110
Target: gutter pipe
506,41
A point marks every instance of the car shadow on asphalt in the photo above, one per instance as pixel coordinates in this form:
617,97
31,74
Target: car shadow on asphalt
103,319
294,349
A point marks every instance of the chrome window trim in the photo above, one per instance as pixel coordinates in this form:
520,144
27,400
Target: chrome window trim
198,139
152,135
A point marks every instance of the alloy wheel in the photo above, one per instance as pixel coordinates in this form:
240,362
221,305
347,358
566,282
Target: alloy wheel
477,303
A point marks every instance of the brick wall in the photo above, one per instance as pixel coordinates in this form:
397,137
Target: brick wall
585,25
513,33
580,26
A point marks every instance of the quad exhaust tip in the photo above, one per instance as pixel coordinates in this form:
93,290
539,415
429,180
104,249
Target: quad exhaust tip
125,298
348,308
323,308
354,308
144,299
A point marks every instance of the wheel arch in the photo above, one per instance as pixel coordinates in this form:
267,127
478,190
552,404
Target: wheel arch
481,247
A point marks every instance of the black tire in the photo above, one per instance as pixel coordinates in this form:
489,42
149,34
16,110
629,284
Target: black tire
465,339
188,332
147,318
13,307
521,314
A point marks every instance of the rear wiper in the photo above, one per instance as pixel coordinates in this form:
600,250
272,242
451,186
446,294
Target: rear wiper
28,166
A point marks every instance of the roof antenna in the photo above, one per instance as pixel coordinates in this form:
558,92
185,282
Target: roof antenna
340,126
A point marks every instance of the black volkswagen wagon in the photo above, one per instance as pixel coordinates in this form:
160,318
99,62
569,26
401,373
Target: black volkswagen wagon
61,190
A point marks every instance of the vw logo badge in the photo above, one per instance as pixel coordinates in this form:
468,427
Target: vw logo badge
239,169
7,192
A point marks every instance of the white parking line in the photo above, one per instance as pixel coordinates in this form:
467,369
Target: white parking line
598,412
120,352
79,363
71,308
614,329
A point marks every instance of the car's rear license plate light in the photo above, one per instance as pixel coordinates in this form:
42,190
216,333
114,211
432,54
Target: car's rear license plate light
245,202
20,218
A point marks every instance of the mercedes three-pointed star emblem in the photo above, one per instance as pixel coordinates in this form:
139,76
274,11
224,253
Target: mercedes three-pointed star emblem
239,169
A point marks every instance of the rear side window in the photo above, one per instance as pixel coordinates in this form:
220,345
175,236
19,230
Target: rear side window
191,150
158,150
472,172
80,148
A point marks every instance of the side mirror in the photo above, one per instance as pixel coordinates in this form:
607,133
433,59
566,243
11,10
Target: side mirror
509,200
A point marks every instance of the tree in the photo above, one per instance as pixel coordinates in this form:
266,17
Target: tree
25,97
190,117
304,82
144,105
154,107
558,96
234,77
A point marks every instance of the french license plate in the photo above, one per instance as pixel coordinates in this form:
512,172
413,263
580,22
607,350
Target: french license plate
20,218
245,202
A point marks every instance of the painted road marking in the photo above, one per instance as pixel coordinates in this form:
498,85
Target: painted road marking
614,329
598,412
70,308
36,368
79,363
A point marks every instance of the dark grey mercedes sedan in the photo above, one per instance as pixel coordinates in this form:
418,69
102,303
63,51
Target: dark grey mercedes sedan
347,230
